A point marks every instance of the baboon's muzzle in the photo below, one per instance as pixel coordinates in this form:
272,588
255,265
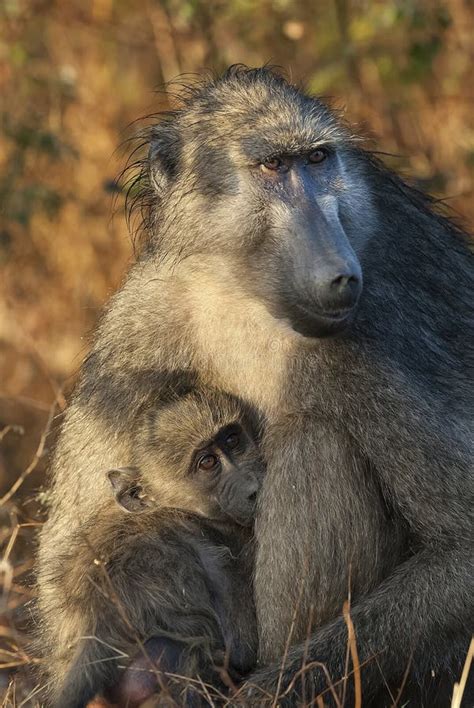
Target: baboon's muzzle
327,274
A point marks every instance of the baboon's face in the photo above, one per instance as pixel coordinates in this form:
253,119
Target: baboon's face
198,453
221,481
227,470
305,265
273,186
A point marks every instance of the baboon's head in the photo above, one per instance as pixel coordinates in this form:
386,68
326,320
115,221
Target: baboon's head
258,174
198,454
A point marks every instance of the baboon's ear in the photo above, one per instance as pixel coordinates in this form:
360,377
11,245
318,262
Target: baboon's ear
164,155
128,491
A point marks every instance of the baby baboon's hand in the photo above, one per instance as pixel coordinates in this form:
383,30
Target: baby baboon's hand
99,702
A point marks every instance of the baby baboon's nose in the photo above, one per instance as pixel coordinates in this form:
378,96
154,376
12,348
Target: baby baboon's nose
252,491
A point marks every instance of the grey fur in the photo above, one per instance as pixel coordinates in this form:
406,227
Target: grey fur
369,437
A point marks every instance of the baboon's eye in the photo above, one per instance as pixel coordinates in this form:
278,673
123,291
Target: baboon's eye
318,155
232,440
208,462
273,164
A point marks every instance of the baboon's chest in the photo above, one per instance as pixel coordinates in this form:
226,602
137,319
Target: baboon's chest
247,354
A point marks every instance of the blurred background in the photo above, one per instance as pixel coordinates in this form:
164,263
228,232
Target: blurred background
74,74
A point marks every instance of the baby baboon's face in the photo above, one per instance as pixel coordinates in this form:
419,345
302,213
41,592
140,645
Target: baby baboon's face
199,454
228,470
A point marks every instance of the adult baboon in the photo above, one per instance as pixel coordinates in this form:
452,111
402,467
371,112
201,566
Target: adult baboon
182,573
263,214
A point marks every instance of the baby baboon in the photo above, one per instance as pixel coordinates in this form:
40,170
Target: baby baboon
181,573
269,231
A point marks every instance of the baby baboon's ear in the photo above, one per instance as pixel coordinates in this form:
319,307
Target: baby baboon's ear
128,491
164,155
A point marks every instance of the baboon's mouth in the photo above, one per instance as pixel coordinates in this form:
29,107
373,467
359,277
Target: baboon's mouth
317,323
337,315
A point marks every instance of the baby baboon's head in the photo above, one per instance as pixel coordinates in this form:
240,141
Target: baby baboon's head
199,453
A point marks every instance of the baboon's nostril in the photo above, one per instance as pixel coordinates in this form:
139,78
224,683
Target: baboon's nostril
253,497
343,281
339,292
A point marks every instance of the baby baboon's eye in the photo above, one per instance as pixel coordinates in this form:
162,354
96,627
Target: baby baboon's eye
273,164
232,440
208,462
318,155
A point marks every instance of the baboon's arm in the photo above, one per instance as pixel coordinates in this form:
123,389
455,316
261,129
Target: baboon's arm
426,603
412,615
321,531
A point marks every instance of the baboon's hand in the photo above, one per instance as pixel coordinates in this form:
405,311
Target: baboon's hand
285,688
260,689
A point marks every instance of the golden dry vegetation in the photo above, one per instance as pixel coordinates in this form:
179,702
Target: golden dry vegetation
74,74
